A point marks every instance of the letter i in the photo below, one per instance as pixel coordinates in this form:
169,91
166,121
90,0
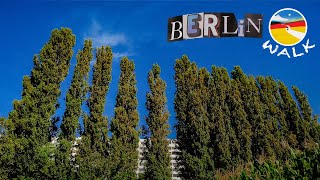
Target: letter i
241,28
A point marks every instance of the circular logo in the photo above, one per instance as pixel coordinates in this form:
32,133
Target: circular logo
288,27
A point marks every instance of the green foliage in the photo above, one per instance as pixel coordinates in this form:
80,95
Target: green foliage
94,145
300,165
97,125
2,126
297,133
7,161
125,137
261,140
158,158
54,161
225,144
63,167
185,80
249,120
273,115
76,93
193,127
92,164
30,119
309,123
240,122
223,123
315,129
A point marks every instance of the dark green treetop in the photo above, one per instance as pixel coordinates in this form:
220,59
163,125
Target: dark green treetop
125,136
30,119
76,93
254,108
158,158
94,146
297,135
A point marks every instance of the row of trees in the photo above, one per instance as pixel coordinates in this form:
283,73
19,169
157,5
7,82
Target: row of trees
26,151
225,122
222,122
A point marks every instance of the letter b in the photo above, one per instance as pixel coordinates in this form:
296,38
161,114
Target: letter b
175,29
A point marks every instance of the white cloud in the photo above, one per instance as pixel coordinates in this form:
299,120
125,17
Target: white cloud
117,55
102,37
279,18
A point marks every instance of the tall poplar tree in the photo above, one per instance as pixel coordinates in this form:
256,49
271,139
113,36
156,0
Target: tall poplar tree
268,89
125,136
225,93
158,164
296,135
310,121
240,122
193,128
223,138
198,162
185,80
97,124
304,105
280,114
252,104
76,93
64,162
31,116
94,146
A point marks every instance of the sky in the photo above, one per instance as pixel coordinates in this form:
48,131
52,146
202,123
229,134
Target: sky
288,14
139,30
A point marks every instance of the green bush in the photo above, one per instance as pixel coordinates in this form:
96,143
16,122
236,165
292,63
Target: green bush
300,165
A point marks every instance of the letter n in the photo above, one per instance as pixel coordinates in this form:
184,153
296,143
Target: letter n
253,25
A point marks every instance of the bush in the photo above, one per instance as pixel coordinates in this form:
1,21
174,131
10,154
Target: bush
300,165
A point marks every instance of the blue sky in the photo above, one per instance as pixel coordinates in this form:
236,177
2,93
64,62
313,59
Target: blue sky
288,14
139,31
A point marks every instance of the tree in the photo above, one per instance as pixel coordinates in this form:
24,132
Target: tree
272,114
240,122
197,157
222,135
199,162
283,126
55,161
310,121
261,144
315,129
6,150
63,166
125,136
94,145
157,157
31,116
225,93
193,128
296,135
76,93
185,80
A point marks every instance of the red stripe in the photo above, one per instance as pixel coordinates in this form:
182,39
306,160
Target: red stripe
293,24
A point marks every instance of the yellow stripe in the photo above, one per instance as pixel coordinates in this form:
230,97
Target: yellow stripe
283,37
